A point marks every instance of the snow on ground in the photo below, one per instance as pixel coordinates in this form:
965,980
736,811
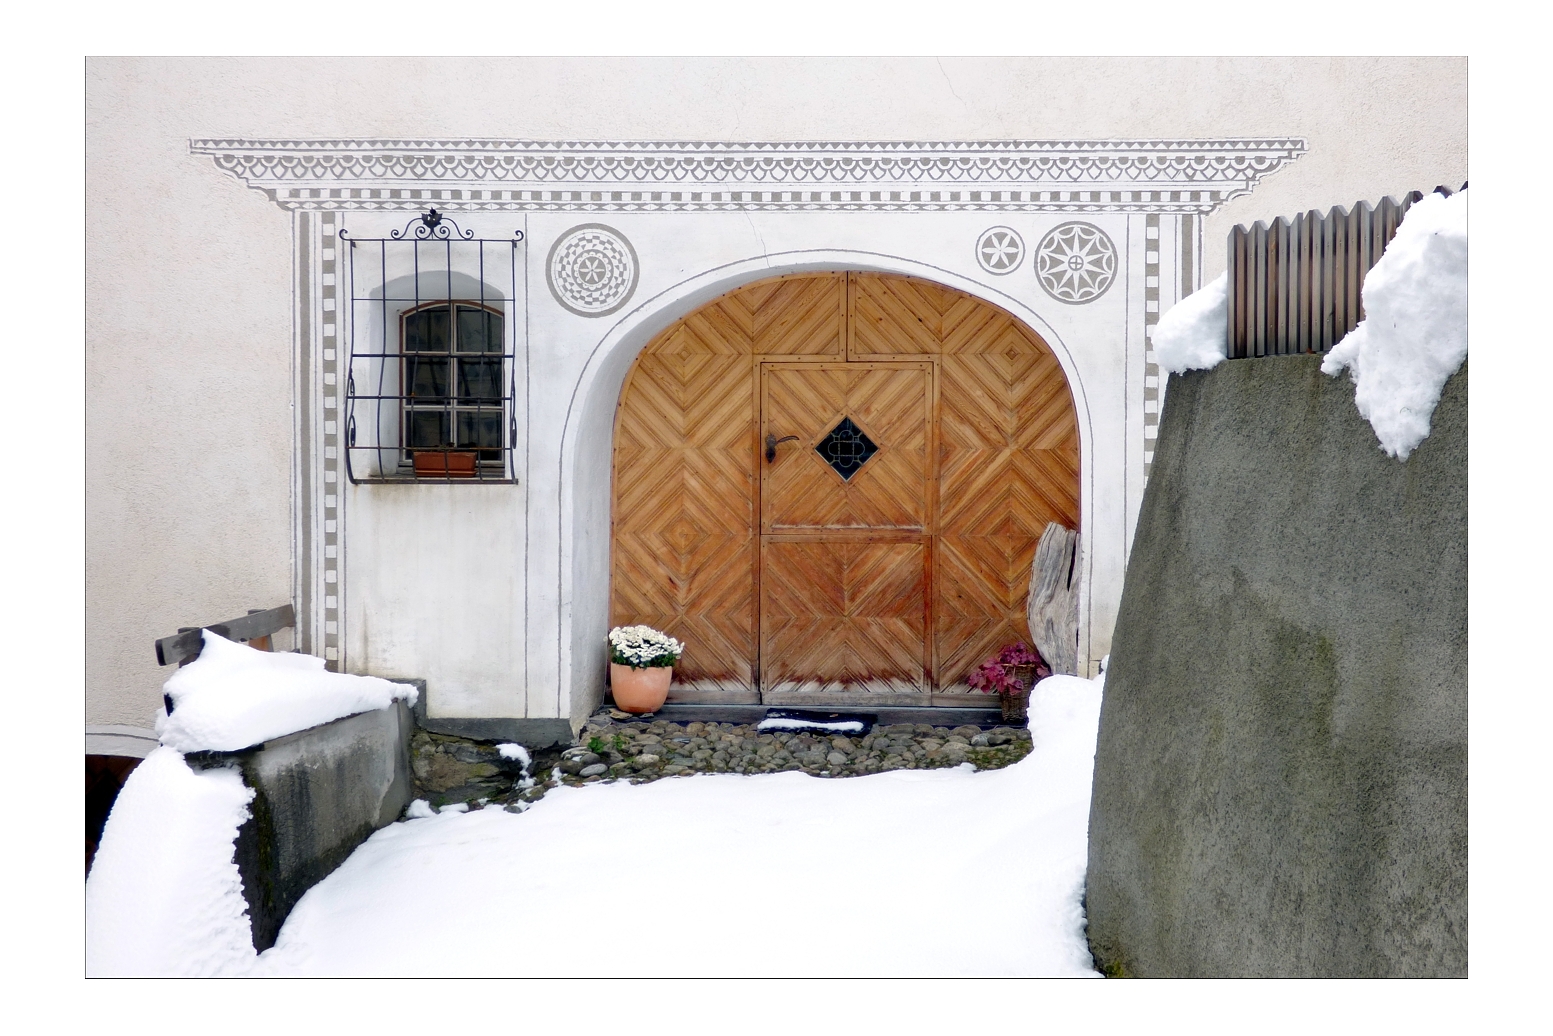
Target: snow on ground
164,896
516,752
234,696
1414,333
916,872
1193,334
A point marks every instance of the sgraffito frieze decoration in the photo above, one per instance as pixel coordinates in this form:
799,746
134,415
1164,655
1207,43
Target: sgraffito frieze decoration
1000,250
591,270
1075,262
710,176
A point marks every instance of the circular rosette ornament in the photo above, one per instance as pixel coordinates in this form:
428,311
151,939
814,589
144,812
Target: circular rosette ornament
1076,263
591,270
1000,250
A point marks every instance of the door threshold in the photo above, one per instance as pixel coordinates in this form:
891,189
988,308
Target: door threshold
884,716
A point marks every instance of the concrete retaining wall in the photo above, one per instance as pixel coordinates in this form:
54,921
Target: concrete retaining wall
319,794
1281,775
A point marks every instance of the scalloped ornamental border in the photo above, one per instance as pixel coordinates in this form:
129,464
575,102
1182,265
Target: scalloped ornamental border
648,176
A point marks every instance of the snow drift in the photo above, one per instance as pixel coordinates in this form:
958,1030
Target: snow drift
164,897
1412,339
1414,333
1192,334
759,861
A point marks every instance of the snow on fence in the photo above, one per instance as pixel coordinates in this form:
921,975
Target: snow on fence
1294,286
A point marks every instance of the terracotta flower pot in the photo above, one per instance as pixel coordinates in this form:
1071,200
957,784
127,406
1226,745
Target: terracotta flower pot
443,464
640,690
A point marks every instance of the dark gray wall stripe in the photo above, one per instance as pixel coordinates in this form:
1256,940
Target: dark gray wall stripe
303,449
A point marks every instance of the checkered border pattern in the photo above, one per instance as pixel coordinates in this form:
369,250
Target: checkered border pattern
1150,319
329,265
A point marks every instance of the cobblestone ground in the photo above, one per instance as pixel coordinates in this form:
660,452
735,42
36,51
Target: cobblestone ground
615,746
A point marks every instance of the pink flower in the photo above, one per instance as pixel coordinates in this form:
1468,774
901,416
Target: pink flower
994,676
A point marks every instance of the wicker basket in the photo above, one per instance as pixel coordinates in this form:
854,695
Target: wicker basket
1016,707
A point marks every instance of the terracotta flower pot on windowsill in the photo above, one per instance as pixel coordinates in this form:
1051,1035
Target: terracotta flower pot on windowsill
443,464
640,690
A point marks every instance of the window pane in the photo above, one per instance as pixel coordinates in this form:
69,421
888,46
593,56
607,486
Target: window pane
479,379
478,331
426,331
428,379
480,428
427,429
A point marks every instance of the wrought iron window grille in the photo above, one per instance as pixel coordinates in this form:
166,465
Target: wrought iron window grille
846,448
431,381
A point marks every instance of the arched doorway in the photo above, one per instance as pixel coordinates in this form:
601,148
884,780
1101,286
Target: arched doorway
831,486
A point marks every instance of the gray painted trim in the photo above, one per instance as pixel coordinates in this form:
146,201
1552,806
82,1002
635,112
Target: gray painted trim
531,733
530,520
1186,256
302,453
1151,392
668,176
121,740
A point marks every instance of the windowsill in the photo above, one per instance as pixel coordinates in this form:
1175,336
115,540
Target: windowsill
411,480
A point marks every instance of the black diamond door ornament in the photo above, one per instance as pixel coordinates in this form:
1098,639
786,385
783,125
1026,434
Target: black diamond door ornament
846,448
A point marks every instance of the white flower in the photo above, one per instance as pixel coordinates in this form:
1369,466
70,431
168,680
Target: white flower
642,646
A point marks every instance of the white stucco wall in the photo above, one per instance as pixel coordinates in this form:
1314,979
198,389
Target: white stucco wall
193,283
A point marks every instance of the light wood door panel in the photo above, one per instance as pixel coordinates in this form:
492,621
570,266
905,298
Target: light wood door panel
896,316
684,499
890,403
846,561
800,316
769,572
684,550
842,618
1008,456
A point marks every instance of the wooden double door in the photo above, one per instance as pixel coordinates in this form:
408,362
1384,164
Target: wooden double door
831,486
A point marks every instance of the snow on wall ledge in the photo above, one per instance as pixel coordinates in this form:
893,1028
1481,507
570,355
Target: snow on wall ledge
233,697
201,864
1414,333
1191,335
1412,339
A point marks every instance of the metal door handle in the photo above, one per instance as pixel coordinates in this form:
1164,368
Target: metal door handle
771,445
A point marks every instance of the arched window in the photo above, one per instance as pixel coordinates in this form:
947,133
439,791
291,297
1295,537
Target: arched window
452,371
430,386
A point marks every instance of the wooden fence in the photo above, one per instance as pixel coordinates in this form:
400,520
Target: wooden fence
254,629
1294,286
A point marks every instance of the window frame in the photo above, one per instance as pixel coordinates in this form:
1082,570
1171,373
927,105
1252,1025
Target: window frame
453,403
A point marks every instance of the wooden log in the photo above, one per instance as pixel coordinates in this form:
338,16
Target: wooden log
184,646
1052,605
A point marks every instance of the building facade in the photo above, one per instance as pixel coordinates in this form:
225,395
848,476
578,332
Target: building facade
466,401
